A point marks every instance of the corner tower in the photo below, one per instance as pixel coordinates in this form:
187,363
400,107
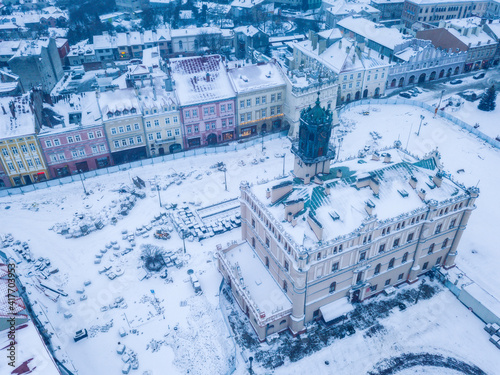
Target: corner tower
313,153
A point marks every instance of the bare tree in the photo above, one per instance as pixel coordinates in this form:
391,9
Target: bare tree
152,256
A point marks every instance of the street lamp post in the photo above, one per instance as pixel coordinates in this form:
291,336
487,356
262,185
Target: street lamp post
183,240
158,189
263,132
421,119
81,179
250,370
284,158
225,180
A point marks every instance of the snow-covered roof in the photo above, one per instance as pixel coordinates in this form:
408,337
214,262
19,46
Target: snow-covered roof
343,56
424,2
247,30
193,31
16,116
330,34
9,47
200,79
118,100
246,3
155,96
481,38
105,41
495,29
341,8
383,2
32,47
255,77
387,37
256,280
347,202
84,103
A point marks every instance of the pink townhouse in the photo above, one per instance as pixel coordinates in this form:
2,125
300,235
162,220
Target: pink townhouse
206,100
78,142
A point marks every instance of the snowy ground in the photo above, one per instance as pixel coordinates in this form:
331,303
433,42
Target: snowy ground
174,331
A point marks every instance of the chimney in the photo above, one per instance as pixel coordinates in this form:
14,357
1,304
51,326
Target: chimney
316,226
208,77
369,206
413,182
421,194
339,173
280,190
340,44
438,178
289,217
327,190
268,193
307,179
376,156
387,157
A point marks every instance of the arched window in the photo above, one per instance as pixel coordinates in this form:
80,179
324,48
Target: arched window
445,243
333,286
405,258
285,286
267,262
391,263
180,44
286,266
377,269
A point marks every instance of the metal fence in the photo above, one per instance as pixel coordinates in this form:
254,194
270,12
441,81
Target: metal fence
234,146
415,103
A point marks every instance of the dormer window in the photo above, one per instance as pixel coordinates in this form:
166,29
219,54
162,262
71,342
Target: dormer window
118,113
154,110
147,112
125,112
110,114
133,110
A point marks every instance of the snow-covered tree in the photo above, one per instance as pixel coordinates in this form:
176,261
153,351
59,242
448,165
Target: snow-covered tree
487,102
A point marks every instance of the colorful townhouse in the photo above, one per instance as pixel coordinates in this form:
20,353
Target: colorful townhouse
20,152
260,98
158,103
123,125
206,99
77,143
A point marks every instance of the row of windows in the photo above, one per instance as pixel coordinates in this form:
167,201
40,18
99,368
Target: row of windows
208,125
260,100
193,113
260,113
73,138
21,166
175,120
166,109
123,129
128,142
15,151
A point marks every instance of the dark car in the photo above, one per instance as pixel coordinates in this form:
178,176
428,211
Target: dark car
405,95
479,76
456,82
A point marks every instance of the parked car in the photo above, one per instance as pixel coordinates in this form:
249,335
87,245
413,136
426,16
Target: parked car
405,95
456,82
479,75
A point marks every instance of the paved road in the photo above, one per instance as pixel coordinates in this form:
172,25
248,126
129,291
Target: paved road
492,78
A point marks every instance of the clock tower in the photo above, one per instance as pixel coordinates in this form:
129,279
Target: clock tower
313,153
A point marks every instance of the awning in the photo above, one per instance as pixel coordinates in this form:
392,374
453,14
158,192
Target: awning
336,309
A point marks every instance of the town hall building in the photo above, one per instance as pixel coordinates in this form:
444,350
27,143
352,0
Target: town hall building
336,234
